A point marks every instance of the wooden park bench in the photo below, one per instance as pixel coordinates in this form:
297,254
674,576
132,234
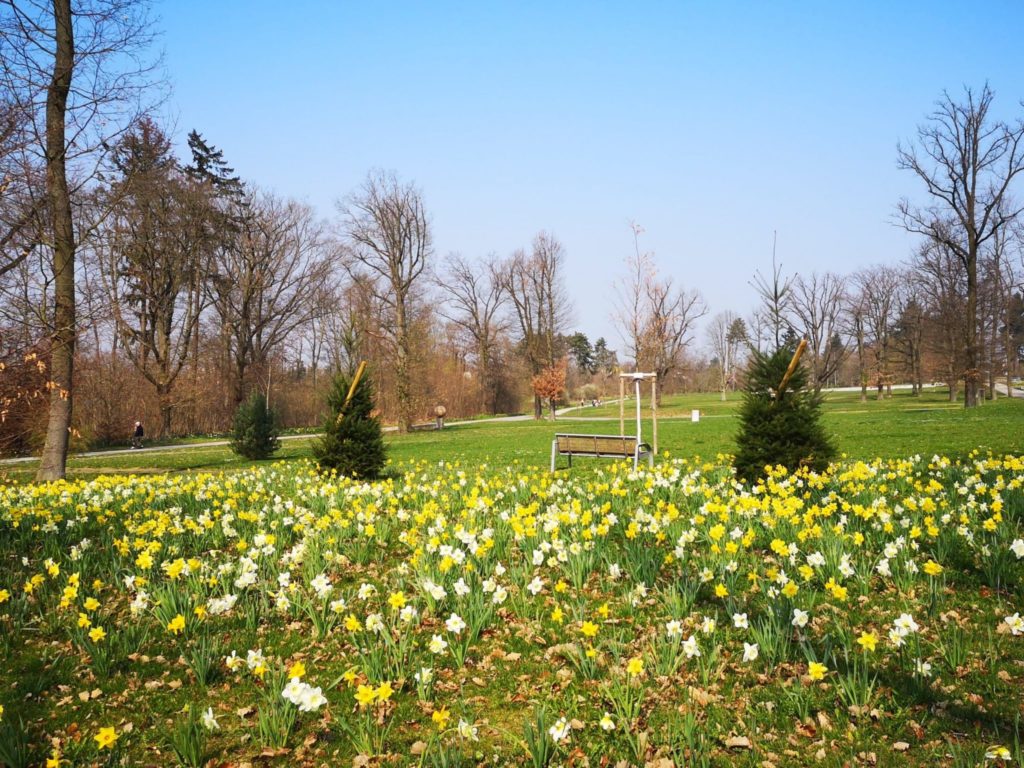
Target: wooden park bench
600,446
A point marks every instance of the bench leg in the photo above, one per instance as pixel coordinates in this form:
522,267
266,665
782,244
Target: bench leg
554,454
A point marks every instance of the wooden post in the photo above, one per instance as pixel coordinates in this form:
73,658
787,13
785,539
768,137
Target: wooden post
622,405
792,367
654,414
636,387
352,389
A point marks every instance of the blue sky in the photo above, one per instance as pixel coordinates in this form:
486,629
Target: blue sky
711,124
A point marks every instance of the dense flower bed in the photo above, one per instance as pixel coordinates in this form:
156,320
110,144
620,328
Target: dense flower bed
453,614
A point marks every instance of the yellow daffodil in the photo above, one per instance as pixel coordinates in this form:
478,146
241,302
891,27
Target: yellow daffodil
106,737
440,717
868,641
365,695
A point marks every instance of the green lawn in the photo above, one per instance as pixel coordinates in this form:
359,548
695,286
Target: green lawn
901,426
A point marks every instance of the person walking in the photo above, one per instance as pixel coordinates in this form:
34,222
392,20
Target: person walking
138,435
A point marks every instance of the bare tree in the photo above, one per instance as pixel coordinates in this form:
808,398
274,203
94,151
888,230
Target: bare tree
878,291
725,335
909,332
967,161
816,304
854,325
759,330
74,73
154,258
655,317
476,297
389,249
534,286
21,204
673,314
265,282
631,296
944,291
1007,285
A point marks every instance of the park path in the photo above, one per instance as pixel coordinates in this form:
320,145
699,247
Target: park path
221,443
1000,387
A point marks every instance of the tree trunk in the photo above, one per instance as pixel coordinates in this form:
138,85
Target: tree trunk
238,383
488,404
993,344
166,410
861,368
62,345
971,374
1011,356
194,410
402,366
918,372
538,407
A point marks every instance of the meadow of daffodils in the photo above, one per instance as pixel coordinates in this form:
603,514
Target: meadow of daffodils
455,615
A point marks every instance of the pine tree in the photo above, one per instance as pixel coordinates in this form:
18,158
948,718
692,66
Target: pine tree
779,427
254,432
353,442
208,165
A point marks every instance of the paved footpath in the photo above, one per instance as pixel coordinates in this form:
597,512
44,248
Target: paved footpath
220,443
1017,392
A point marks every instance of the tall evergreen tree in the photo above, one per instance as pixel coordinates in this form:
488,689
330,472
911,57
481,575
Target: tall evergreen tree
208,165
582,352
353,442
780,426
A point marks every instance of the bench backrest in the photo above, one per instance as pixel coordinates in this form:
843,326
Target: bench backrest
598,445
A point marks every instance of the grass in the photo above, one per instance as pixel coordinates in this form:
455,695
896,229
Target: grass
901,426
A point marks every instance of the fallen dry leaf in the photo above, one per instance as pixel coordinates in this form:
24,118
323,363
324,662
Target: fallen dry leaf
272,752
